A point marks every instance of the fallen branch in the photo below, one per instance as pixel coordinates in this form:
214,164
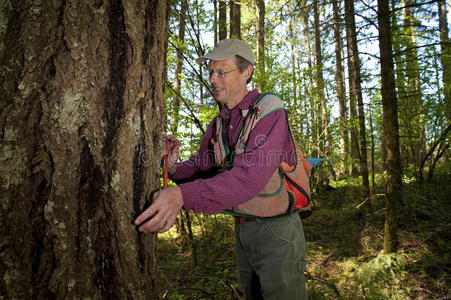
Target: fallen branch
329,284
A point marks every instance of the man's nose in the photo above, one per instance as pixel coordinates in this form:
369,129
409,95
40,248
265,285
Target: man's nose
213,77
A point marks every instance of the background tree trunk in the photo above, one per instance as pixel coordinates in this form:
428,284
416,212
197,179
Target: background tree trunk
235,19
215,21
260,28
81,108
353,60
341,87
222,32
325,141
315,132
356,95
179,66
445,56
390,127
411,112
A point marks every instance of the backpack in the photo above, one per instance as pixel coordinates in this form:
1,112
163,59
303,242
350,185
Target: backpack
295,177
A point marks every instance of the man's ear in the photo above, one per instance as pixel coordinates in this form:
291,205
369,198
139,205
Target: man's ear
250,69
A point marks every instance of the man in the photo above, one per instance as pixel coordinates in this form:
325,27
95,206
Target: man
270,252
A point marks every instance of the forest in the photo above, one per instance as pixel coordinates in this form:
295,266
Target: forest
367,88
88,88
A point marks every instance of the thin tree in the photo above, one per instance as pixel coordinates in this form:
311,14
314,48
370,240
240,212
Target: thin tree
315,132
356,93
340,79
445,56
178,66
215,21
353,62
411,106
235,19
325,142
390,127
81,108
222,33
260,11
201,66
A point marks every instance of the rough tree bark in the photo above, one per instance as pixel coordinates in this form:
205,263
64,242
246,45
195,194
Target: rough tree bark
81,103
390,127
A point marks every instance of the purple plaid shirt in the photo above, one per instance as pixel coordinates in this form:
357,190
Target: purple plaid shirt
268,145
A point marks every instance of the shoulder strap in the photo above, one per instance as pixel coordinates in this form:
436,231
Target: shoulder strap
265,104
268,103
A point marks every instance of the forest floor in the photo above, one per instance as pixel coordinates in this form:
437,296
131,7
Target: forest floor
344,261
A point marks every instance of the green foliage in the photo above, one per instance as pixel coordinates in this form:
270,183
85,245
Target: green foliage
339,266
215,275
377,276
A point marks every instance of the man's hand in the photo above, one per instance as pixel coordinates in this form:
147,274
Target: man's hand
171,146
163,211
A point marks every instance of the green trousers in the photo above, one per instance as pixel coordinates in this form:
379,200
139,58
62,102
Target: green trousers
270,257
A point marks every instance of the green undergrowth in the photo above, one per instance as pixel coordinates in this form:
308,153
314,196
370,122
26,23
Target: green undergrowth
345,257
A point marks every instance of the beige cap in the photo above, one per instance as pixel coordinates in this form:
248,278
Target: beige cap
228,48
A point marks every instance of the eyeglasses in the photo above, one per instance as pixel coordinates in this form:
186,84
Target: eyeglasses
220,74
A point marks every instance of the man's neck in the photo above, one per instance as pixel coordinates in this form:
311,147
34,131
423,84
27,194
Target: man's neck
232,105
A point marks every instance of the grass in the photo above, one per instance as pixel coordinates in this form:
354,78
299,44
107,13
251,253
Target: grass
344,262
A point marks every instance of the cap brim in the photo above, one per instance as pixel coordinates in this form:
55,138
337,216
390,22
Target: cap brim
214,56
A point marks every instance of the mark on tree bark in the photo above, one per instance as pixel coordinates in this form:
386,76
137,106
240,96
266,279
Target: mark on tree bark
118,64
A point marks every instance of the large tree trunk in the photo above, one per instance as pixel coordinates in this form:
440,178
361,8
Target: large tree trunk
81,107
390,127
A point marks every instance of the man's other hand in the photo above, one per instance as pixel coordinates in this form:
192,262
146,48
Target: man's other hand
171,146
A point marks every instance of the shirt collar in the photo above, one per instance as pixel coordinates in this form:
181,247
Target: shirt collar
243,105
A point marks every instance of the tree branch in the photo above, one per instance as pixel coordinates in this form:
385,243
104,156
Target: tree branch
441,139
195,119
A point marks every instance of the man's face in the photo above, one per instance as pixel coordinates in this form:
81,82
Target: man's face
229,85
